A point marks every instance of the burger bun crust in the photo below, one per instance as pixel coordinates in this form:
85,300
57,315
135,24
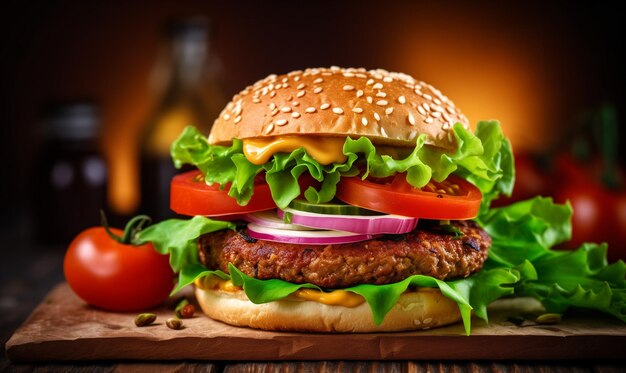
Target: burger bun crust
417,310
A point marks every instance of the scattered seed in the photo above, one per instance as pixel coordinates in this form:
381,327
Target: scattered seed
348,87
226,116
370,82
269,128
324,106
548,319
274,112
429,120
381,94
381,102
357,110
281,122
237,119
256,100
310,109
337,110
377,86
364,121
369,99
273,94
318,90
376,116
295,114
174,323
383,132
286,109
359,93
389,110
301,93
272,106
427,96
318,80
145,319
301,86
411,119
421,110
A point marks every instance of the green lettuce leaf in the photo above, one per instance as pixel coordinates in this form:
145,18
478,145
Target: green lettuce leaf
523,236
483,158
178,238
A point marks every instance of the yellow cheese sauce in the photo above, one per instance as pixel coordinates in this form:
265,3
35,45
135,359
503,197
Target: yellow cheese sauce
325,150
335,297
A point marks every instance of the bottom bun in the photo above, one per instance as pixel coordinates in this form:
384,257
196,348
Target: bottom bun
424,308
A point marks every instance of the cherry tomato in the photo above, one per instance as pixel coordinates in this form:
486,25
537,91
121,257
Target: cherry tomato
115,276
190,195
454,198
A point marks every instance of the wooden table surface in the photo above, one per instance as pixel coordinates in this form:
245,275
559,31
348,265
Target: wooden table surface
27,273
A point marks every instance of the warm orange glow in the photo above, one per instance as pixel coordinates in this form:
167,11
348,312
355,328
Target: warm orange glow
486,76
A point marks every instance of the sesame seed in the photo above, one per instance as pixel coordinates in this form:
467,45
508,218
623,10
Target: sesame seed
348,75
412,135
437,101
301,86
281,122
256,100
272,106
426,106
369,99
428,120
269,128
381,94
436,114
274,112
279,86
388,79
300,93
450,109
446,126
421,110
376,116
324,106
285,109
377,86
418,92
359,75
285,80
295,114
317,90
318,80
310,109
389,110
364,121
297,78
237,119
427,96
411,119
237,110
383,132
348,87
273,94
402,100
337,110
359,93
357,110
296,103
370,82
381,102
226,116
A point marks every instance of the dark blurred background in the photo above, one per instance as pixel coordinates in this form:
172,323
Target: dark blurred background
549,71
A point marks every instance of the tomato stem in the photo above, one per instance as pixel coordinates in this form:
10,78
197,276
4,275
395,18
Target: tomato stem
133,227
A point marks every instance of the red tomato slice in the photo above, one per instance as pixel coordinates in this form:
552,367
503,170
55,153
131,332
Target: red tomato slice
452,199
190,195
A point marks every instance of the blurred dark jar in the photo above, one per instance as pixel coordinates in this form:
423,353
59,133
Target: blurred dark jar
70,174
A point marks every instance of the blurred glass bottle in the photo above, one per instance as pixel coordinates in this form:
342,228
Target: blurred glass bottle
70,173
189,95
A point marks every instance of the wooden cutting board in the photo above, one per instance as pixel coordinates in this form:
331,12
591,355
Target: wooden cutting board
62,327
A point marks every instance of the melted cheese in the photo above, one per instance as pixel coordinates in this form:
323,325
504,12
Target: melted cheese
325,150
335,297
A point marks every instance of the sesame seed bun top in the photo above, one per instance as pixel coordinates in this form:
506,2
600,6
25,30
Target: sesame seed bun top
389,108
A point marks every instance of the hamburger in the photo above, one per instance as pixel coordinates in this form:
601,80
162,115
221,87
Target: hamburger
340,200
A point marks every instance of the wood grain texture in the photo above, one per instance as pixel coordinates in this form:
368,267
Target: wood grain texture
63,328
